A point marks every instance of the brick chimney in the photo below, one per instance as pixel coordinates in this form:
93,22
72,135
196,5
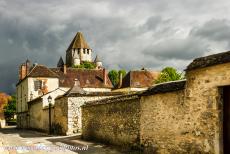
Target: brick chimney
104,76
64,69
27,66
22,71
120,79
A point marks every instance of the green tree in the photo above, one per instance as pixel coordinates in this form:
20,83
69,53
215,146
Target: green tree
10,108
86,65
169,74
123,72
113,76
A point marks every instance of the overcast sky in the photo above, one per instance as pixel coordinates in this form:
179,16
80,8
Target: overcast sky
128,34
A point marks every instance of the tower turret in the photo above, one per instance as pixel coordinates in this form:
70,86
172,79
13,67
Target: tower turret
60,62
98,62
78,49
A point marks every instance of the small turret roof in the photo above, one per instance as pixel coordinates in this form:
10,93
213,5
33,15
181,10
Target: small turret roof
60,62
78,42
97,59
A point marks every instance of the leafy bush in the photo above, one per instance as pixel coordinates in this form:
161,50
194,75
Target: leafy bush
114,76
169,74
86,65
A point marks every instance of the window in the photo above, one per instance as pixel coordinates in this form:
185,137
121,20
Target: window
87,51
37,85
84,51
78,52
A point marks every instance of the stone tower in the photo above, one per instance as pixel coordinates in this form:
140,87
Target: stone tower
78,51
98,62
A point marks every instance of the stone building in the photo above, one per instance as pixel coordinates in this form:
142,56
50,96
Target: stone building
136,80
188,116
38,82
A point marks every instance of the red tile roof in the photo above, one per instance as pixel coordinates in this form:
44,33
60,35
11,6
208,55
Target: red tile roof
89,78
139,79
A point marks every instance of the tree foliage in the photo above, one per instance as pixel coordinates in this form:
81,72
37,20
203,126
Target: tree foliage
86,65
123,72
169,74
4,99
10,108
114,76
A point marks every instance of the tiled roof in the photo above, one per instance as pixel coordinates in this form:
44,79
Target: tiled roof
166,87
41,71
215,59
78,42
89,78
139,79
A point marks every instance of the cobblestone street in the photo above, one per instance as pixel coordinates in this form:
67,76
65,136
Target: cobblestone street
32,142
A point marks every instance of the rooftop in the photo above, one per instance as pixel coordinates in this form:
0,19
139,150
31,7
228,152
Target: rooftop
211,60
78,42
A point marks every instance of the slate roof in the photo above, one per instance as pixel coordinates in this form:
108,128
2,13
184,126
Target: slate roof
60,62
89,78
78,42
139,79
97,59
211,60
166,87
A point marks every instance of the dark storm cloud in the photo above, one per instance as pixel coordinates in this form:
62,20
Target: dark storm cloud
126,34
214,30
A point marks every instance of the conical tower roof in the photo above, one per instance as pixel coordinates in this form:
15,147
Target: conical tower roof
97,59
78,42
76,89
60,62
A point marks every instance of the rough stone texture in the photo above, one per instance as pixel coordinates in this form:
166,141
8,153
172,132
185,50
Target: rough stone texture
188,120
22,120
38,117
202,62
162,123
115,122
203,96
67,113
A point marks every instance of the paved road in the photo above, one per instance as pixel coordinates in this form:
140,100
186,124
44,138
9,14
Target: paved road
32,142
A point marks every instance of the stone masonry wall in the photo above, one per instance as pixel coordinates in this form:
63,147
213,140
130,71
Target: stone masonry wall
162,122
68,114
61,116
115,122
187,121
203,96
39,117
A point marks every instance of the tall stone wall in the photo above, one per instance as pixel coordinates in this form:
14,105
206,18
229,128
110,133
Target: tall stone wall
23,120
163,126
189,121
203,97
61,115
115,121
39,117
68,114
